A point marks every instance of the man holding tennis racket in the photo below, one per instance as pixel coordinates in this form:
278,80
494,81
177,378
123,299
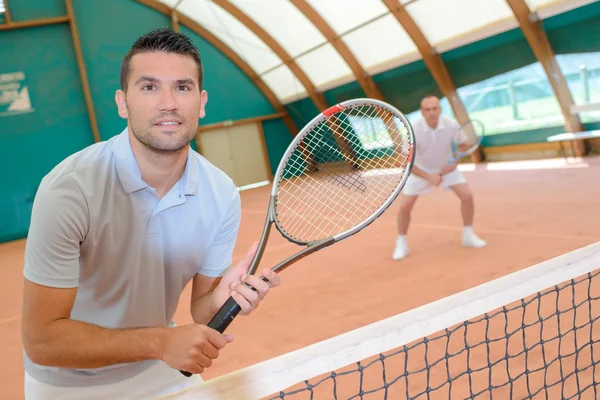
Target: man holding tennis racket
117,232
435,134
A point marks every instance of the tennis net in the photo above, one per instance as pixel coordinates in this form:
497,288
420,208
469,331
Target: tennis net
531,334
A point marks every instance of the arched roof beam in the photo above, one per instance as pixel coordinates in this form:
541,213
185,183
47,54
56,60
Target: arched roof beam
435,64
542,49
364,79
317,97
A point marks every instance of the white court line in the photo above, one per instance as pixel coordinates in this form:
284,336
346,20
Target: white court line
482,230
509,232
522,165
10,319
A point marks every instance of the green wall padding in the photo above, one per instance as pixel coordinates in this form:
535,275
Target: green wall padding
572,17
494,57
34,142
25,10
533,136
302,111
405,86
576,31
278,139
351,90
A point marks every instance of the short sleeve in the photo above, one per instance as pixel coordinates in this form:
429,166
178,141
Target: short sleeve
59,223
220,253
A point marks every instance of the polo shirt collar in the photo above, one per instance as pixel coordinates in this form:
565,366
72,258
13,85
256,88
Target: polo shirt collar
191,175
131,177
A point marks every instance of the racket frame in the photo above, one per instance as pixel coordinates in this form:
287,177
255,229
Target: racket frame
456,156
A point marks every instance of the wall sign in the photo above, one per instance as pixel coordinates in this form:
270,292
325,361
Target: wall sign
14,94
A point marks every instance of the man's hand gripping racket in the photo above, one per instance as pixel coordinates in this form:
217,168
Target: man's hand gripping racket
321,195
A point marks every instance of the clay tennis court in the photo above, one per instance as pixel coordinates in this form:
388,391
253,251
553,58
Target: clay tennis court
527,211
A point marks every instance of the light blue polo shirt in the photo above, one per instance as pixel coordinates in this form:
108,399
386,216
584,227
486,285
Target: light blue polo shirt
96,225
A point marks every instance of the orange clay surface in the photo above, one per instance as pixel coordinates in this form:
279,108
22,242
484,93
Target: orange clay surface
528,212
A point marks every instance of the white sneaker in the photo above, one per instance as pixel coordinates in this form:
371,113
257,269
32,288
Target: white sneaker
472,240
401,250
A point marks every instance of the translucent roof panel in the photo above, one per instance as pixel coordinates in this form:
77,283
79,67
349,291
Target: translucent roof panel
536,4
371,51
284,84
170,3
232,32
445,21
548,8
324,65
353,12
284,22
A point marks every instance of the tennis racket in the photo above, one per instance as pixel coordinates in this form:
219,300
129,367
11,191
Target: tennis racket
339,174
467,139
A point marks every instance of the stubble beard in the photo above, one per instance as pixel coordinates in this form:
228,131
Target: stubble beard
164,145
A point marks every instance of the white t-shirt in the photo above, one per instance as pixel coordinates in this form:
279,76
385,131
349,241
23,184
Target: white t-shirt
96,225
434,146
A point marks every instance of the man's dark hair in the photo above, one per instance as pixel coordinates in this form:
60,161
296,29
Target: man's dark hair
165,40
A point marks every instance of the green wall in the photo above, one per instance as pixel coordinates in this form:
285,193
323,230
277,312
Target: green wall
277,141
25,10
34,142
577,31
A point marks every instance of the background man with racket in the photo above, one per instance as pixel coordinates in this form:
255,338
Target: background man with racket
435,135
119,229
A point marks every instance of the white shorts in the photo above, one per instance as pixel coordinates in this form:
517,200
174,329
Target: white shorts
415,185
158,380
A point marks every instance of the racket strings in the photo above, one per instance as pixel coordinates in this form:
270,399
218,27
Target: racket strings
321,205
373,203
378,163
348,179
336,212
342,172
372,114
367,162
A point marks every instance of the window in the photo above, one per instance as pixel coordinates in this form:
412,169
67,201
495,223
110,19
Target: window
515,101
582,73
372,132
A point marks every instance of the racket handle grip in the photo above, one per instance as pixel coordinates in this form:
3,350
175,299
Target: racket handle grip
223,318
225,315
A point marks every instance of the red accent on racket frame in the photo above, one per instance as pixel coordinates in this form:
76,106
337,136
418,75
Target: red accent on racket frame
332,110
